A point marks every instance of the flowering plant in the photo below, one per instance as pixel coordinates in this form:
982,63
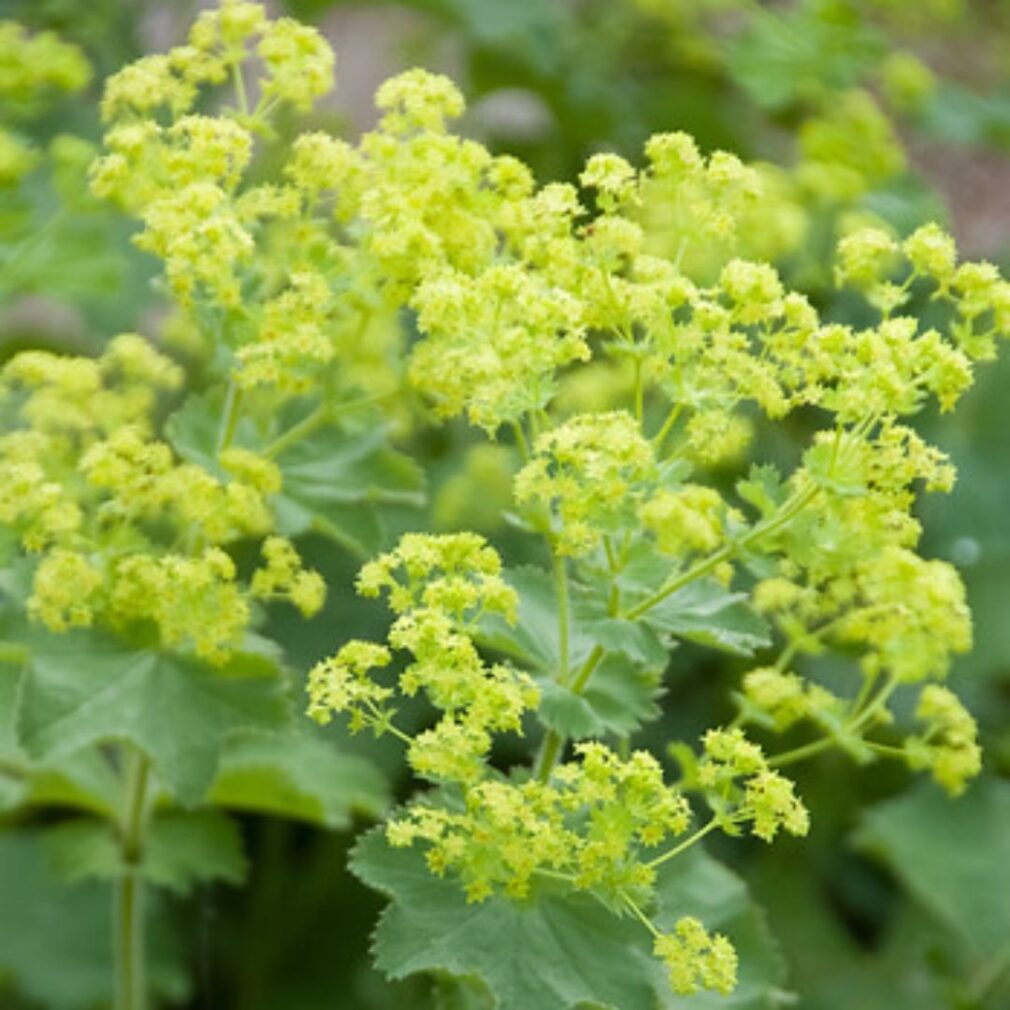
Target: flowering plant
321,315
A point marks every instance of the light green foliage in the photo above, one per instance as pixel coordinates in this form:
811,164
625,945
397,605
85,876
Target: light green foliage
42,915
359,291
563,949
913,836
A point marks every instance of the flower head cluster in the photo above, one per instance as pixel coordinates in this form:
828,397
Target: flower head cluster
948,747
587,474
849,148
494,343
343,683
126,532
33,70
743,789
779,699
697,959
978,298
438,586
32,67
284,578
691,520
594,822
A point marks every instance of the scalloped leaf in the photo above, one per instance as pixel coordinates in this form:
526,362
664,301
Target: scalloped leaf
299,776
915,836
559,951
181,849
84,688
623,690
54,939
707,613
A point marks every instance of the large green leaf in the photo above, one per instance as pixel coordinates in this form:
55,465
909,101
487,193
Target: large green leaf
181,848
556,951
709,614
620,695
300,776
85,688
799,54
953,856
55,940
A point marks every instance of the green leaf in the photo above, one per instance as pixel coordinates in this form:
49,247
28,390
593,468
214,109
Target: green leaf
556,951
812,49
763,488
181,849
339,480
299,776
618,698
55,945
707,613
83,780
85,688
952,856
336,480
620,695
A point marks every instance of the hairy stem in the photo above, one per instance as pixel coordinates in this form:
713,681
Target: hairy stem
305,427
561,590
229,419
684,845
128,896
785,514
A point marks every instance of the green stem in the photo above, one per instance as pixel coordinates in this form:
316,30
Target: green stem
671,419
240,94
561,589
229,419
588,667
520,436
788,511
128,896
686,844
305,427
550,750
856,722
801,753
639,914
988,975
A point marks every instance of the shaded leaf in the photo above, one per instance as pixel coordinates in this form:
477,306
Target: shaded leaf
337,480
801,53
556,951
299,776
707,613
55,944
620,695
84,688
181,849
952,856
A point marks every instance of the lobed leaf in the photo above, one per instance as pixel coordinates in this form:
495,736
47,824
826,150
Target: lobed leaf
84,688
556,951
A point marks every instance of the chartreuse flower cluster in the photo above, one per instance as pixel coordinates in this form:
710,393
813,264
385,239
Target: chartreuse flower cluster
34,70
513,290
299,286
597,823
121,532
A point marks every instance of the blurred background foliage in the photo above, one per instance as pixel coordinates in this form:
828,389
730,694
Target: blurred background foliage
856,111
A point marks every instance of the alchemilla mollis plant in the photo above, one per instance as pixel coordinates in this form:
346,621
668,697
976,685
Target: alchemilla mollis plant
329,298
